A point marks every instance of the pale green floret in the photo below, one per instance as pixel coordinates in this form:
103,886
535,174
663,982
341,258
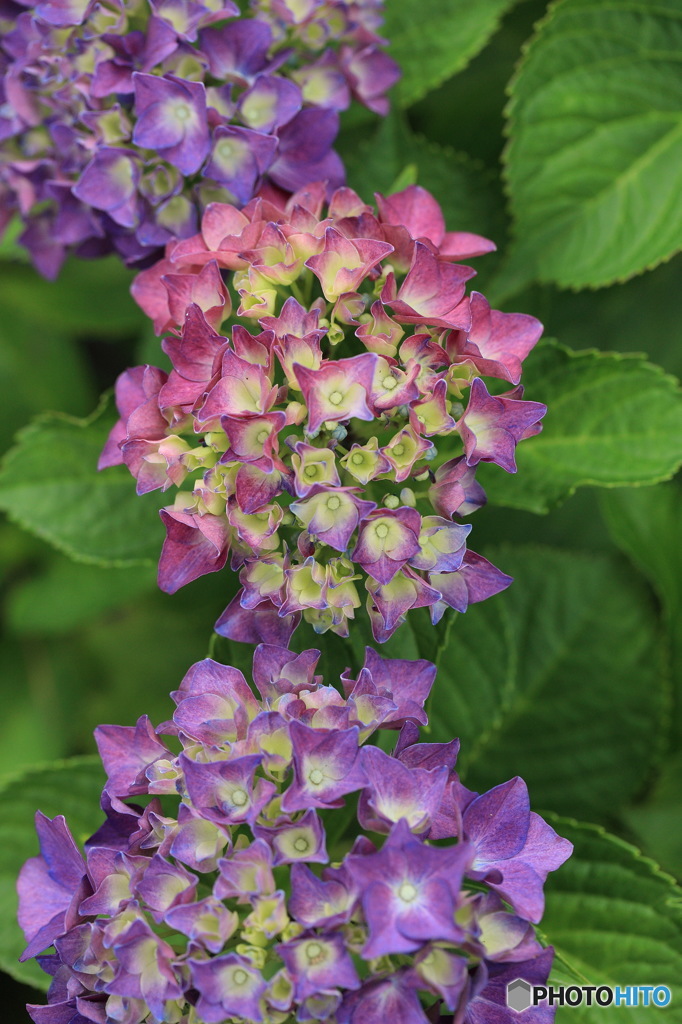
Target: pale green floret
315,953
182,112
407,892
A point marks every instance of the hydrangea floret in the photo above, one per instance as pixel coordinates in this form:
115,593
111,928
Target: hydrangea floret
263,862
333,390
121,120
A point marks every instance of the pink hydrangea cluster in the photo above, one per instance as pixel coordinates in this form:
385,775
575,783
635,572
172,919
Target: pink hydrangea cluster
121,119
326,409
262,862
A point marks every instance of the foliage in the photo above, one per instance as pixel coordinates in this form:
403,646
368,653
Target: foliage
573,677
595,142
613,915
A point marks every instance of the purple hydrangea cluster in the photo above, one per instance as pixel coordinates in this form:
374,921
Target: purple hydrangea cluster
337,446
121,120
262,862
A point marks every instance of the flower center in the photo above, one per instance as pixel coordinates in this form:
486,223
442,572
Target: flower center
388,383
239,797
182,112
407,892
333,503
262,437
398,449
225,150
311,471
239,977
357,459
316,777
336,398
381,531
314,952
301,845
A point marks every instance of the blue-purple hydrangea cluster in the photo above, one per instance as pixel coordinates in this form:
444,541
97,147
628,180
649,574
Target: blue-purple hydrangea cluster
261,861
121,119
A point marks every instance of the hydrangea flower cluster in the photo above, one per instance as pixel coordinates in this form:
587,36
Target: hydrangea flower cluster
278,867
120,120
337,446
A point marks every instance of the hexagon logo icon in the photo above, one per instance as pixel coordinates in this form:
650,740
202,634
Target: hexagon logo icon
519,995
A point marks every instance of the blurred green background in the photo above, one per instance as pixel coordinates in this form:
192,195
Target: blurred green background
570,679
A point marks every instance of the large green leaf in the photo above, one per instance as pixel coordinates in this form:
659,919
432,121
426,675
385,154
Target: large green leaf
71,788
91,298
557,680
40,369
657,821
613,420
594,162
647,525
66,595
614,918
49,484
643,316
431,42
29,727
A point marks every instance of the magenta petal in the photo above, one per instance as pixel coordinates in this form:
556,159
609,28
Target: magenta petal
415,209
432,288
47,884
388,999
476,580
258,625
492,425
126,752
194,545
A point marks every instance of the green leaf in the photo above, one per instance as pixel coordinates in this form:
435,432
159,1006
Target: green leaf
557,680
614,918
49,484
9,246
641,315
594,162
40,368
434,42
29,727
69,787
613,420
647,526
75,303
68,594
657,821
